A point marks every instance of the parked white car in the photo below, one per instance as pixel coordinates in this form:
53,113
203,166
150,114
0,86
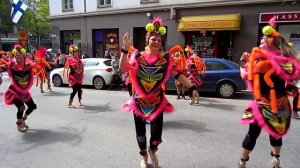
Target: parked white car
97,72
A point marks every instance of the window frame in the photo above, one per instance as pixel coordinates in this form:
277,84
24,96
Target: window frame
216,63
105,5
68,4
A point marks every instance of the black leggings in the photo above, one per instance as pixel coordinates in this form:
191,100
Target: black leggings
156,131
129,88
295,102
76,88
253,133
21,107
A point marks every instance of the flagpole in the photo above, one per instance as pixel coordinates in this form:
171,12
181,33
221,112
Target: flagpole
35,12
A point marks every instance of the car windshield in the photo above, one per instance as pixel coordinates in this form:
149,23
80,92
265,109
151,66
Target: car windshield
89,63
107,62
214,65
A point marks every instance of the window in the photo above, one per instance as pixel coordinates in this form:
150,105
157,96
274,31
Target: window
90,63
104,3
213,65
67,5
107,62
149,1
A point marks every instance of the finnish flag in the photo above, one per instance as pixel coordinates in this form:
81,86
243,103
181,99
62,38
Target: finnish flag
17,10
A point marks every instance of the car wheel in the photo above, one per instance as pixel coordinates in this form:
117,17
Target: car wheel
57,80
99,83
226,90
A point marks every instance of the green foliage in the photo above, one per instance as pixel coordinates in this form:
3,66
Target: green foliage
5,21
37,23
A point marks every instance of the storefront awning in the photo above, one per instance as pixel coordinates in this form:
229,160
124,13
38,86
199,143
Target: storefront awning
210,23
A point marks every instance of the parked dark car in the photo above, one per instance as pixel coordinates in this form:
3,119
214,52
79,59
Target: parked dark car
222,76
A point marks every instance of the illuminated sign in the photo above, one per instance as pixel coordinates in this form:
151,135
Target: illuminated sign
280,17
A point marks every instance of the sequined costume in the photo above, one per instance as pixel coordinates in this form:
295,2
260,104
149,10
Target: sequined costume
20,71
148,79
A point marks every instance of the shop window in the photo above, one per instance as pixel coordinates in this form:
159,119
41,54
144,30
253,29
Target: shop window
292,33
104,3
213,65
105,40
68,38
67,5
149,1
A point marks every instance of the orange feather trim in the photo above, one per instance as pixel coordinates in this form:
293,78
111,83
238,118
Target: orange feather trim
273,100
267,78
256,86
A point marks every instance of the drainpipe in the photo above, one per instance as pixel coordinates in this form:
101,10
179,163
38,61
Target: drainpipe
86,39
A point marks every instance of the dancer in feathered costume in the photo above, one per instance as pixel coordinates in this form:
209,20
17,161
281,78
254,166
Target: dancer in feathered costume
269,70
179,60
3,63
196,70
21,75
149,70
40,68
75,69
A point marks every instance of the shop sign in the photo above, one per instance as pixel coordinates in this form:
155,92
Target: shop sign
23,40
209,25
112,40
280,17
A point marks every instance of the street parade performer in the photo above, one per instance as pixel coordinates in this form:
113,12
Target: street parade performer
149,70
268,71
40,68
179,60
75,69
196,70
20,71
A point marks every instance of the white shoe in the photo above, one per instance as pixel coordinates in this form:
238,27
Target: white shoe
242,164
22,127
275,162
153,158
144,161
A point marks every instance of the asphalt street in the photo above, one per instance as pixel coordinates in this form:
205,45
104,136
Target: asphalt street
99,135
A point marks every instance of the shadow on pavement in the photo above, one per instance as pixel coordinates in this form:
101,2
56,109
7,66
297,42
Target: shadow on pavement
222,106
54,93
244,95
97,108
38,137
187,125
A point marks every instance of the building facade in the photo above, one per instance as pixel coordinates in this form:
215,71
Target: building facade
218,28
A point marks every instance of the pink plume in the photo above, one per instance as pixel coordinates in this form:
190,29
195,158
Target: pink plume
272,22
157,20
18,47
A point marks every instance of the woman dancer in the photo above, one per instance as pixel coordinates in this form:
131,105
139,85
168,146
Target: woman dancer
179,60
268,71
20,71
149,70
75,69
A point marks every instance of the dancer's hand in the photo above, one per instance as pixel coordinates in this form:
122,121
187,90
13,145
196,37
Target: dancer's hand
244,59
126,41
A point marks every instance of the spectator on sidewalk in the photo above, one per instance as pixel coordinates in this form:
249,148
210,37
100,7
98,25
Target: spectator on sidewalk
108,54
115,78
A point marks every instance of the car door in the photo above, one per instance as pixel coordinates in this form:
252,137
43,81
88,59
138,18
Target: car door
215,71
89,69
